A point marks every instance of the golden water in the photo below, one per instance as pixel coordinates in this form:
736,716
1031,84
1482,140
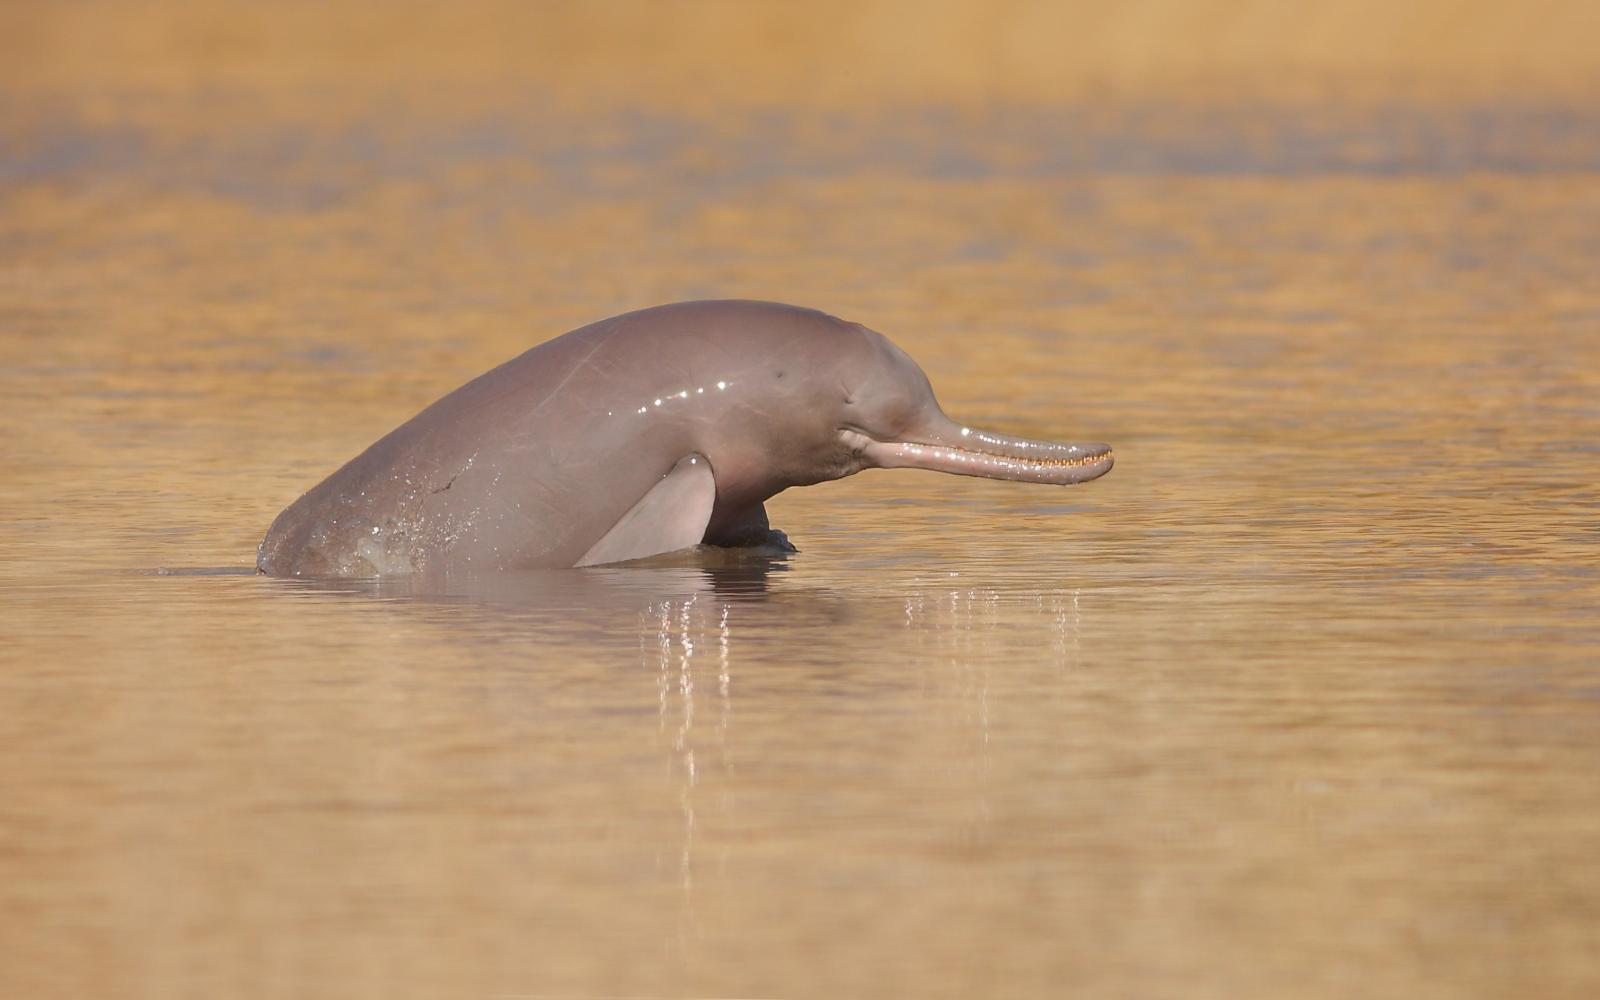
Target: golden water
1303,699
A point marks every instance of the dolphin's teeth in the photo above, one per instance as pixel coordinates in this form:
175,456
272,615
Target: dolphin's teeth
970,455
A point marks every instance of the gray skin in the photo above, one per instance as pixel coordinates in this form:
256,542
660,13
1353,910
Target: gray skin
671,425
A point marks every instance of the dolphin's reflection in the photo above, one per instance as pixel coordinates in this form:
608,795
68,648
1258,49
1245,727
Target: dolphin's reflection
677,637
594,594
692,645
969,618
950,660
959,628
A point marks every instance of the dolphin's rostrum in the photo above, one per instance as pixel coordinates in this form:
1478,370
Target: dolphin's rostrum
641,434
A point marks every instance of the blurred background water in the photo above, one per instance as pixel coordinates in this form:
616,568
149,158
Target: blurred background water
1300,700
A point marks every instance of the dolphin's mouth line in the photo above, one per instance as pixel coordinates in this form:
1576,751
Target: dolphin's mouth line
959,453
994,457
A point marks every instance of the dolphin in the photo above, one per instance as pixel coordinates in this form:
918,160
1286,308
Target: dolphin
645,433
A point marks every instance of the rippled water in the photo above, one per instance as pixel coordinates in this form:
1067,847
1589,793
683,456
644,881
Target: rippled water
1303,699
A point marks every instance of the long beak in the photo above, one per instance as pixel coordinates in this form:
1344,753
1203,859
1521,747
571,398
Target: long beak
966,451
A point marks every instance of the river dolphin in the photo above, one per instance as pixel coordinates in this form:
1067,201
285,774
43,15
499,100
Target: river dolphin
641,434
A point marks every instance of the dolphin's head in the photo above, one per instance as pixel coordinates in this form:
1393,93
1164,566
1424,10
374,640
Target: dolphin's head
825,399
888,418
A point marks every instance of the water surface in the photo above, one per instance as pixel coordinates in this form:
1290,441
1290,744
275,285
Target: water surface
1300,700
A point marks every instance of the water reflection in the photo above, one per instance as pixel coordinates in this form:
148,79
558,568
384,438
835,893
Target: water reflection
594,593
696,646
671,632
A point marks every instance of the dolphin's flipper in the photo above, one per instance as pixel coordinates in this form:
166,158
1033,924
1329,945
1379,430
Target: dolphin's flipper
747,528
672,516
